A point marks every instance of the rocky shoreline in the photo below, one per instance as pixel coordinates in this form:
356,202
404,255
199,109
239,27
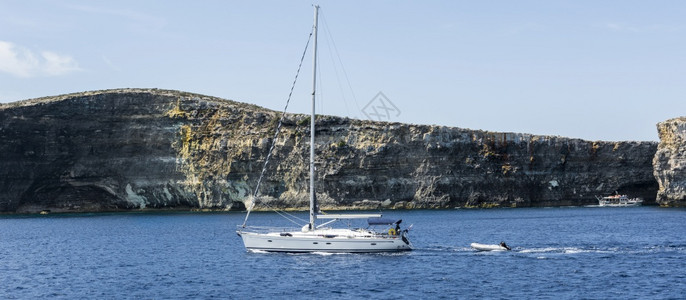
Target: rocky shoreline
149,149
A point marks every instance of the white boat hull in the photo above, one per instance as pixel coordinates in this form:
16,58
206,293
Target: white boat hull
331,241
618,201
622,204
485,247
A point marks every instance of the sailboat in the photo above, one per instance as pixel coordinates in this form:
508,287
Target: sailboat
313,237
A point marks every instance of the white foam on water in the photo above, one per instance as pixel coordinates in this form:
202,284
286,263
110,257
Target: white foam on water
257,251
437,248
540,250
568,250
329,253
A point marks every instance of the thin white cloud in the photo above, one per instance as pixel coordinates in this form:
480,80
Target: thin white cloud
22,62
16,61
56,64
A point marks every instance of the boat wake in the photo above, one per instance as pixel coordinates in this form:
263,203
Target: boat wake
565,250
541,252
607,250
440,248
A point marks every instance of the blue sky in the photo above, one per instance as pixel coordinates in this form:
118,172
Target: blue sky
597,70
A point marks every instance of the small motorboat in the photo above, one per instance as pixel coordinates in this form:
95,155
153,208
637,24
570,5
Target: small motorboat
486,247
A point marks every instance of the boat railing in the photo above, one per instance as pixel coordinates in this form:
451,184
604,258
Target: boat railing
265,229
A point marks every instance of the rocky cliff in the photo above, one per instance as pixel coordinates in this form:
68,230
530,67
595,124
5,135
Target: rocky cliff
670,162
134,148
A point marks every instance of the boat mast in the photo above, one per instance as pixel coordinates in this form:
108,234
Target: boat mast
313,203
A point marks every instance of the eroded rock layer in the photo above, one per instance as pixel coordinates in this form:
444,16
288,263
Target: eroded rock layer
670,163
134,148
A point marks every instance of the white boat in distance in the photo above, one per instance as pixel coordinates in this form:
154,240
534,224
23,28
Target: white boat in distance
323,238
618,201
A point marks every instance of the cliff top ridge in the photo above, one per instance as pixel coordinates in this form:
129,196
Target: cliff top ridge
178,94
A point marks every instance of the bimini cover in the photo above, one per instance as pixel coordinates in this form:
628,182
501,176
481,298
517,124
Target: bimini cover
382,221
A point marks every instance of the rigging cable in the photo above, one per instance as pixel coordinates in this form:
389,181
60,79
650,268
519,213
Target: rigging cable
340,61
276,134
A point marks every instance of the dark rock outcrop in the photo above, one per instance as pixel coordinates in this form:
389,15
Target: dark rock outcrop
670,163
134,148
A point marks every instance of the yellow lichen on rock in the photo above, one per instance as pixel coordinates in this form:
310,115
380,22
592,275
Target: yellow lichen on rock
507,169
176,111
594,147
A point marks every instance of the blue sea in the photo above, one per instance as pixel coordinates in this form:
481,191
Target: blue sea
568,253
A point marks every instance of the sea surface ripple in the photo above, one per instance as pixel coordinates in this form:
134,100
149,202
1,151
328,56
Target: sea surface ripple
560,253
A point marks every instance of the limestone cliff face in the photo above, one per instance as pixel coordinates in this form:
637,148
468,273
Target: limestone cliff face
134,148
670,163
96,151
